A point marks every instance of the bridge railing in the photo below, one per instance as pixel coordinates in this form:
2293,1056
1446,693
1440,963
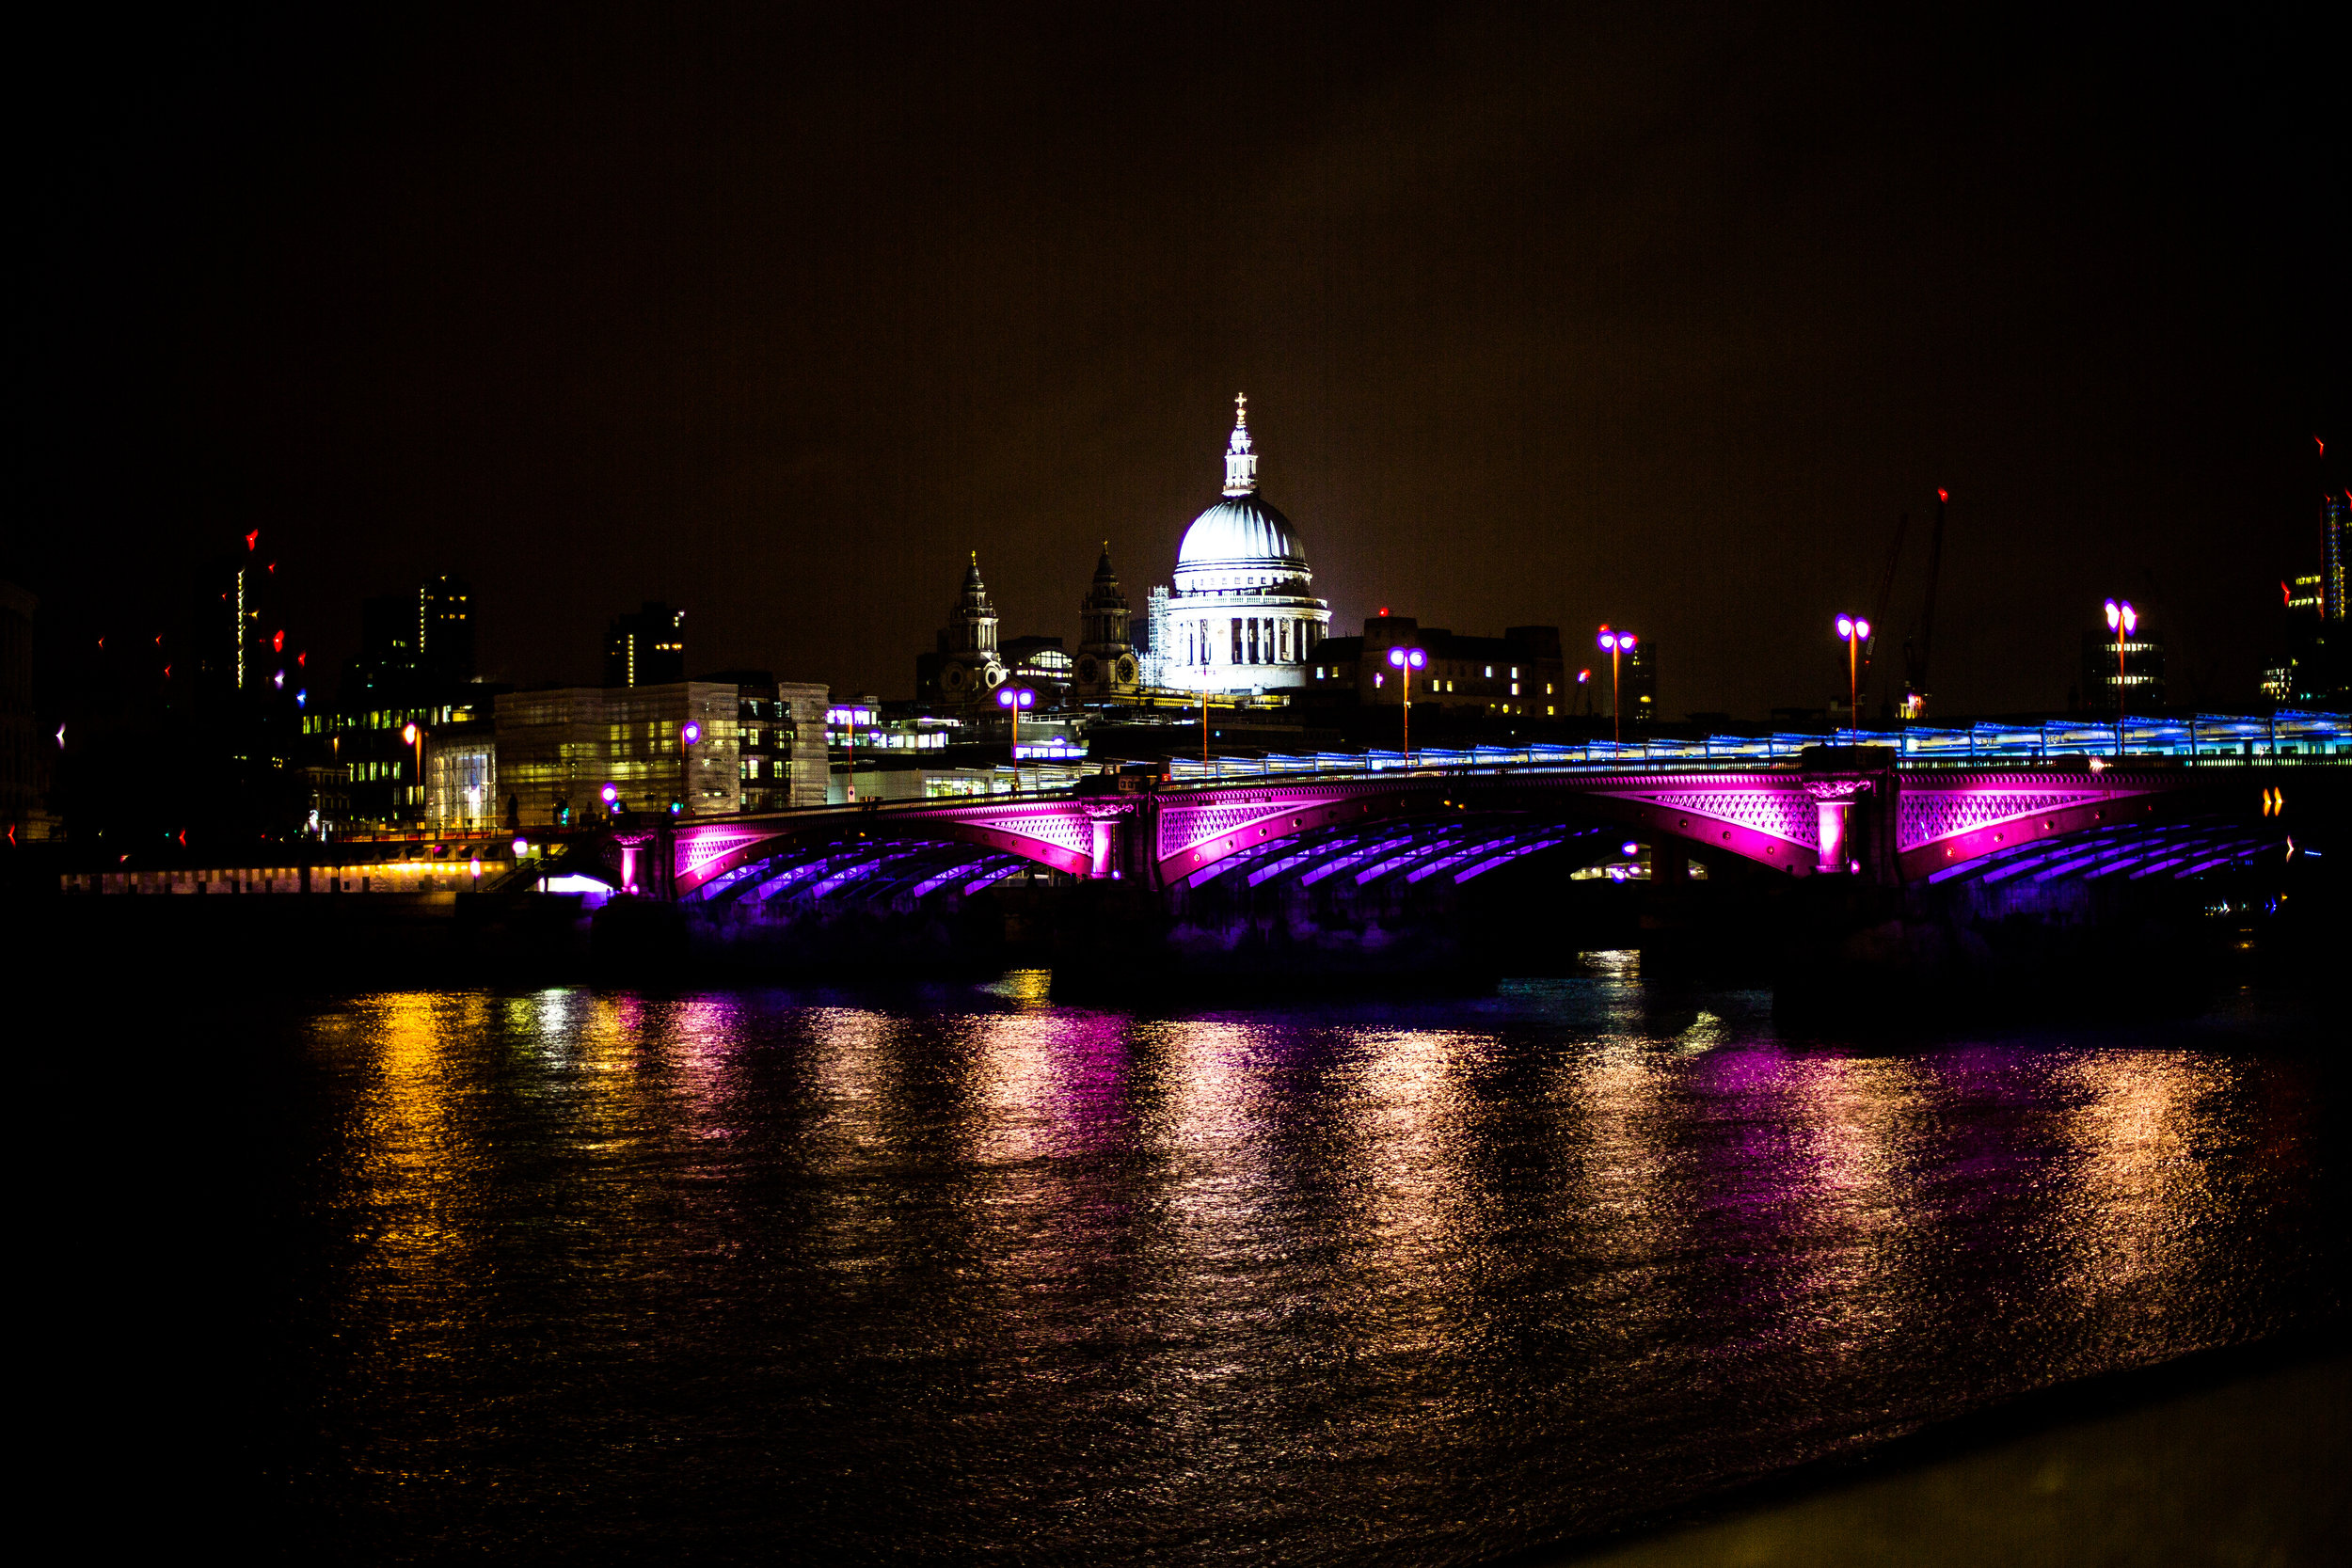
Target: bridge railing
2204,740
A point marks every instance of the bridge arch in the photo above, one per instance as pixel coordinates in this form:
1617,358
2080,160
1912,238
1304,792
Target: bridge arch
715,862
1758,819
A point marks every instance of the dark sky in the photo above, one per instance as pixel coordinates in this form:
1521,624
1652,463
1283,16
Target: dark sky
1656,315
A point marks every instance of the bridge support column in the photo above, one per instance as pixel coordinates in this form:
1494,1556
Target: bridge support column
1832,817
1103,840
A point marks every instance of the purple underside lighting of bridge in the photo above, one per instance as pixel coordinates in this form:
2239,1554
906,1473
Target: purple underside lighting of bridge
1928,825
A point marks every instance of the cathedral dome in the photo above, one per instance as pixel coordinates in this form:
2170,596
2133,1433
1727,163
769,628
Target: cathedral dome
1241,542
1242,533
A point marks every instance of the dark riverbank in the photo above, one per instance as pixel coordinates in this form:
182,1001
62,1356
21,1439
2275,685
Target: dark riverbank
2238,1455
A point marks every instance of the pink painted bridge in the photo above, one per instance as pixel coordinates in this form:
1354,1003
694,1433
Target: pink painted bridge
1848,813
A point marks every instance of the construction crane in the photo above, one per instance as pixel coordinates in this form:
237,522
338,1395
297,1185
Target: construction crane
1915,658
1886,595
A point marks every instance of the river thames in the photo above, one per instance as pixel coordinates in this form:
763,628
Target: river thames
963,1274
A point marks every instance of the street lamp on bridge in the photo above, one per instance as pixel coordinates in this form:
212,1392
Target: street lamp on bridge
1012,699
1409,660
1855,633
413,734
1616,644
2121,620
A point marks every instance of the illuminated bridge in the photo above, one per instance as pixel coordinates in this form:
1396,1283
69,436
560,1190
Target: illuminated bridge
1993,805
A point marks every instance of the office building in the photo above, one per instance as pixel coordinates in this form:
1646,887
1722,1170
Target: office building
1519,674
2140,669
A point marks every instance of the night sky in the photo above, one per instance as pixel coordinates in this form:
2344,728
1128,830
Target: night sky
1652,315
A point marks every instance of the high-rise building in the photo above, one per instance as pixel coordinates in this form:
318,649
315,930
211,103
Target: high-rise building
2315,666
415,666
1638,675
421,634
648,648
2139,670
2335,517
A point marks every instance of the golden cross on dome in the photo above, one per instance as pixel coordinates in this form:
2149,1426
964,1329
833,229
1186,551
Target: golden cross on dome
1241,407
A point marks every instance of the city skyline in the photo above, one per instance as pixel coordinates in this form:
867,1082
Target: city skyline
1666,331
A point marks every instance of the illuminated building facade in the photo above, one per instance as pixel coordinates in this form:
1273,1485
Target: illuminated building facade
780,739
1519,674
558,750
461,783
1243,617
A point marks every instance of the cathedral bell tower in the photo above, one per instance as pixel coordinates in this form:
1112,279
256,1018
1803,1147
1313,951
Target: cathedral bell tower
1106,655
968,668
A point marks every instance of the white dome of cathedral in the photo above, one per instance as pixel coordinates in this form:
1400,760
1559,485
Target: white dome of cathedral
1243,617
1242,533
1241,542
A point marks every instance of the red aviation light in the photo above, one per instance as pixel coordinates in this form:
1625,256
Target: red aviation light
1943,495
252,540
277,642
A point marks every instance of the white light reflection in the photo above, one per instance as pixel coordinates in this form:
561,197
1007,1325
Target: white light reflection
2140,1205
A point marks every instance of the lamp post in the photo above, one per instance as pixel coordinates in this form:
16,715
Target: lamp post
2121,620
1616,644
413,734
1856,631
1409,660
1012,699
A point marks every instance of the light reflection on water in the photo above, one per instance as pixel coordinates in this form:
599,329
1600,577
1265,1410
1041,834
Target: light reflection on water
964,1273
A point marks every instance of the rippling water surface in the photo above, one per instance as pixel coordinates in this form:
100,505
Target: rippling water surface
967,1274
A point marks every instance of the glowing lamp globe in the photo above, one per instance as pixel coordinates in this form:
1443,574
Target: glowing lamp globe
2131,618
1630,847
408,734
611,793
692,733
1861,629
1626,640
2115,614
1845,627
